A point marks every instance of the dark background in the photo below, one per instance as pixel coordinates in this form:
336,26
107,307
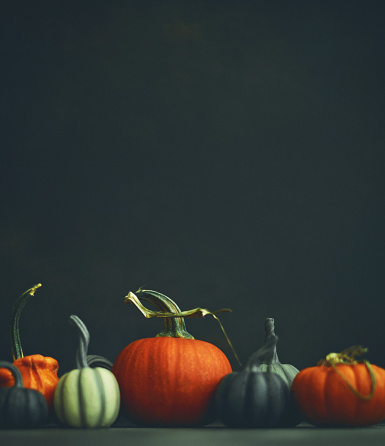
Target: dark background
225,153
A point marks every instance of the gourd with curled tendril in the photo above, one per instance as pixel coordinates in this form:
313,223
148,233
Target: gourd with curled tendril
341,390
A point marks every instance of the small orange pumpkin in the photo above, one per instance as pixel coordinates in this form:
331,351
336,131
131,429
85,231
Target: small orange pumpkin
341,391
169,380
38,372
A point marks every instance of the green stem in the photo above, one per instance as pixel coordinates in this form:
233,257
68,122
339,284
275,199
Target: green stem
84,340
172,326
269,332
99,361
262,356
14,332
173,318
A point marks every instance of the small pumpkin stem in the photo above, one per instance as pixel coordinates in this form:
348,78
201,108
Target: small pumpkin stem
15,372
84,340
99,361
172,326
173,318
262,356
14,332
269,332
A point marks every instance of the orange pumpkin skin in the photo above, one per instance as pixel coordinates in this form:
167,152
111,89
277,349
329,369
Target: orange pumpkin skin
325,399
38,372
169,381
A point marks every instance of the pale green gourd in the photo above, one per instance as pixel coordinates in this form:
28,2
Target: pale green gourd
87,397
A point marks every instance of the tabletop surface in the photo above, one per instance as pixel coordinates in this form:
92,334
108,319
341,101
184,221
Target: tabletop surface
214,434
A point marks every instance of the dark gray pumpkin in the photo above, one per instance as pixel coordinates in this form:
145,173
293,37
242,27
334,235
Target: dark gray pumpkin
21,408
253,398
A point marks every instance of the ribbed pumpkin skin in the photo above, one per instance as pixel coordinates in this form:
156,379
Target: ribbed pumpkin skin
22,408
87,397
38,372
166,381
286,371
325,399
250,399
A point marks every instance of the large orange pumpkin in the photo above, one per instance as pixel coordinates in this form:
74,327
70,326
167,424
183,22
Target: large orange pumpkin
341,391
169,380
38,372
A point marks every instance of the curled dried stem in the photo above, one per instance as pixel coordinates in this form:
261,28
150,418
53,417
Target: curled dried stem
349,357
176,314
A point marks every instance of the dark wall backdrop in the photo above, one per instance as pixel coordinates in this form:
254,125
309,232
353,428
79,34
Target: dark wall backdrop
225,153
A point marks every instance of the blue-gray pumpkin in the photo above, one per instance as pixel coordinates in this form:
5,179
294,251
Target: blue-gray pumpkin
252,398
20,407
87,397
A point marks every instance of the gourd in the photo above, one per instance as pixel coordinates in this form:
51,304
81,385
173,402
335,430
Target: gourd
341,391
86,397
38,372
21,408
252,398
169,379
272,364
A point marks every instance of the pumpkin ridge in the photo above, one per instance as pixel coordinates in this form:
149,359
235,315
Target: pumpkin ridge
26,422
333,394
38,383
268,413
133,364
351,375
175,355
364,411
356,384
288,375
59,391
280,401
67,408
160,384
325,394
6,415
27,371
99,383
200,349
247,412
83,417
26,402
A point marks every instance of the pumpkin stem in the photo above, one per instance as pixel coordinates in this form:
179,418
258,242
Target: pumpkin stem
264,355
84,340
269,332
173,318
172,326
348,357
14,332
99,361
15,372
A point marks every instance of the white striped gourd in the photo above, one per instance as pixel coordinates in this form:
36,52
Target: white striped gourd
86,397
